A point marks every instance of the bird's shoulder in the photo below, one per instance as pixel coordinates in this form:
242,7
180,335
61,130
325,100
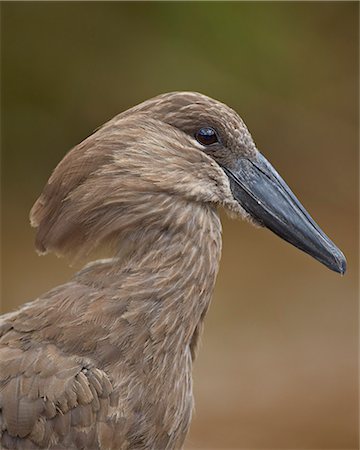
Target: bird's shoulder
49,398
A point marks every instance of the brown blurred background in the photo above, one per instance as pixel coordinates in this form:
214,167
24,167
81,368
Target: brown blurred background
278,365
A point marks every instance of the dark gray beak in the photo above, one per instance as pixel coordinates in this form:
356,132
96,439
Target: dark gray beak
261,191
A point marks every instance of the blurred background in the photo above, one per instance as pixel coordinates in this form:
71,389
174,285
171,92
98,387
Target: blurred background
278,364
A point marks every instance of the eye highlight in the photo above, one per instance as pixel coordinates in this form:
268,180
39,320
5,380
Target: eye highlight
206,136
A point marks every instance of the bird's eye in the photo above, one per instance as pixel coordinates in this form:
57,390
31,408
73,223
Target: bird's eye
206,136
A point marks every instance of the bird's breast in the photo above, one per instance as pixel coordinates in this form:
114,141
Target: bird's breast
154,410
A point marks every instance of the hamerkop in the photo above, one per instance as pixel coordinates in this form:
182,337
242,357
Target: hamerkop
104,361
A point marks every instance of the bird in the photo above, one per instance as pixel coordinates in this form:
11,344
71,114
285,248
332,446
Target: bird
104,361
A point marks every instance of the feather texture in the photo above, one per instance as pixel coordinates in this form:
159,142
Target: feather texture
104,361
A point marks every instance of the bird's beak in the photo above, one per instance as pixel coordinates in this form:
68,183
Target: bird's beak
261,191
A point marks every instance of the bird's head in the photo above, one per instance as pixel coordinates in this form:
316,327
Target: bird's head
177,147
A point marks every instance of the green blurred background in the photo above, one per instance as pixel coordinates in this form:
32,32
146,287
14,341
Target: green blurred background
278,364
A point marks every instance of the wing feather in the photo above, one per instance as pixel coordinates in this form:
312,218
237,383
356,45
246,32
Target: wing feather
48,399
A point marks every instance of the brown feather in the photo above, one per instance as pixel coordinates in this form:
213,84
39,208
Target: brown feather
104,361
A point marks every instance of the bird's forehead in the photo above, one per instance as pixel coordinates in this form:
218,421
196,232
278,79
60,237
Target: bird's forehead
184,106
188,111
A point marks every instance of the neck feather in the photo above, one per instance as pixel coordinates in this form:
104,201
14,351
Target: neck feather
157,289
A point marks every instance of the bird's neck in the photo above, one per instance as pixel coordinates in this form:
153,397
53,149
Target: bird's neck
158,289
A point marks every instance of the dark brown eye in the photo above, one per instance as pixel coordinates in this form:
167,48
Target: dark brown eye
206,136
